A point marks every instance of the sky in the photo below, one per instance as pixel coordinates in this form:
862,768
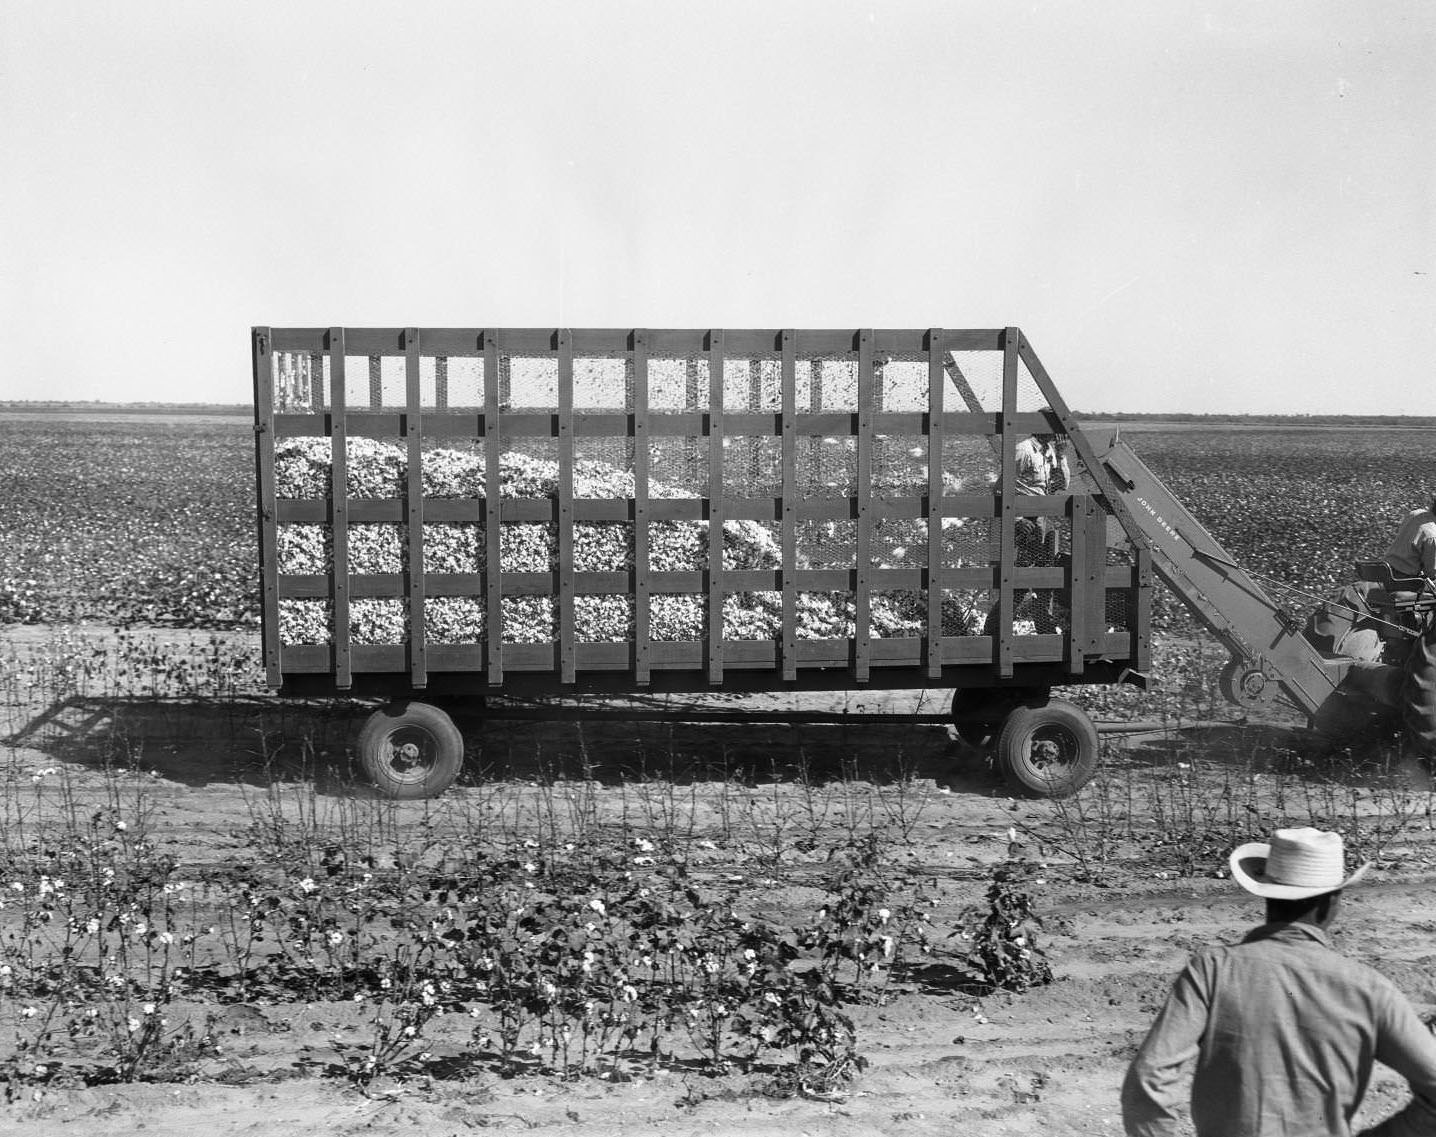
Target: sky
1224,207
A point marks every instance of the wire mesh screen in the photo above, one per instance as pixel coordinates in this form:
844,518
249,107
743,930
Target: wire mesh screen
678,466
752,465
970,464
827,466
900,383
826,383
457,381
975,379
603,382
678,383
967,542
899,465
301,381
603,467
826,544
528,382
973,608
1029,394
529,466
1118,610
753,383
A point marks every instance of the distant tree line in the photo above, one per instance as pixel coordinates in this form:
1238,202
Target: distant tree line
1262,420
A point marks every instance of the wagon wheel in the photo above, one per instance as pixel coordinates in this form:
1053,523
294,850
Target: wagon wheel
411,750
1047,749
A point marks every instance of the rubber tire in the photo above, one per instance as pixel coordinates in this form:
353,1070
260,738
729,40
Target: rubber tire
430,733
1418,696
1055,722
989,706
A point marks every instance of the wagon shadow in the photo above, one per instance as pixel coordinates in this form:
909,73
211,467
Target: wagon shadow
196,742
259,741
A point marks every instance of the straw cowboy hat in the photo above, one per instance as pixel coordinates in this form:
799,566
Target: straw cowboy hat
1297,863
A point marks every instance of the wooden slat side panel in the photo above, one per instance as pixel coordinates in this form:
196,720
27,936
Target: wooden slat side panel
1085,576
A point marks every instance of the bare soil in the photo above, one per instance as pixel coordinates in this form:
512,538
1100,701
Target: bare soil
942,1060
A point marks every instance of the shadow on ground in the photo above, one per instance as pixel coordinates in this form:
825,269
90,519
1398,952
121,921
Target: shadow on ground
1275,749
258,741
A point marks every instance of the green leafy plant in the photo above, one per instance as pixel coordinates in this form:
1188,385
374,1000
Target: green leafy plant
1004,954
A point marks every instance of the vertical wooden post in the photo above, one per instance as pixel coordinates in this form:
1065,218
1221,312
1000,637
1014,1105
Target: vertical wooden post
936,350
788,539
1094,617
262,347
493,515
1079,580
566,655
1007,493
339,510
815,452
862,629
642,586
717,491
1140,606
414,512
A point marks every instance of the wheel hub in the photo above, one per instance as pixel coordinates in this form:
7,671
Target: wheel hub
409,756
1046,751
1051,749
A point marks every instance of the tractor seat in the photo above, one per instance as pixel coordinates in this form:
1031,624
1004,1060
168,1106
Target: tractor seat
1379,572
1412,595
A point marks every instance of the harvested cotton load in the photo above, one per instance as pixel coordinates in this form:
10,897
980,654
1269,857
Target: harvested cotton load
379,469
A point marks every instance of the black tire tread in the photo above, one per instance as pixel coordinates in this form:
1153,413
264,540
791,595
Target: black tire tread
1016,733
448,761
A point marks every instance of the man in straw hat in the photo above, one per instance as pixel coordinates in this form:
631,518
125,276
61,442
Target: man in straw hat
1283,1028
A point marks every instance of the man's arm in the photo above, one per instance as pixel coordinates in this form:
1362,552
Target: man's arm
1152,1089
1406,1045
1425,549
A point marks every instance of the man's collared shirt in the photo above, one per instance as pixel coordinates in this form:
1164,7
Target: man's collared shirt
1040,468
1413,549
1284,1030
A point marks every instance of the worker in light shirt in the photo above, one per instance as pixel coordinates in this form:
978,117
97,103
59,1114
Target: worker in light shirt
1041,465
1040,468
1280,1031
1413,549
